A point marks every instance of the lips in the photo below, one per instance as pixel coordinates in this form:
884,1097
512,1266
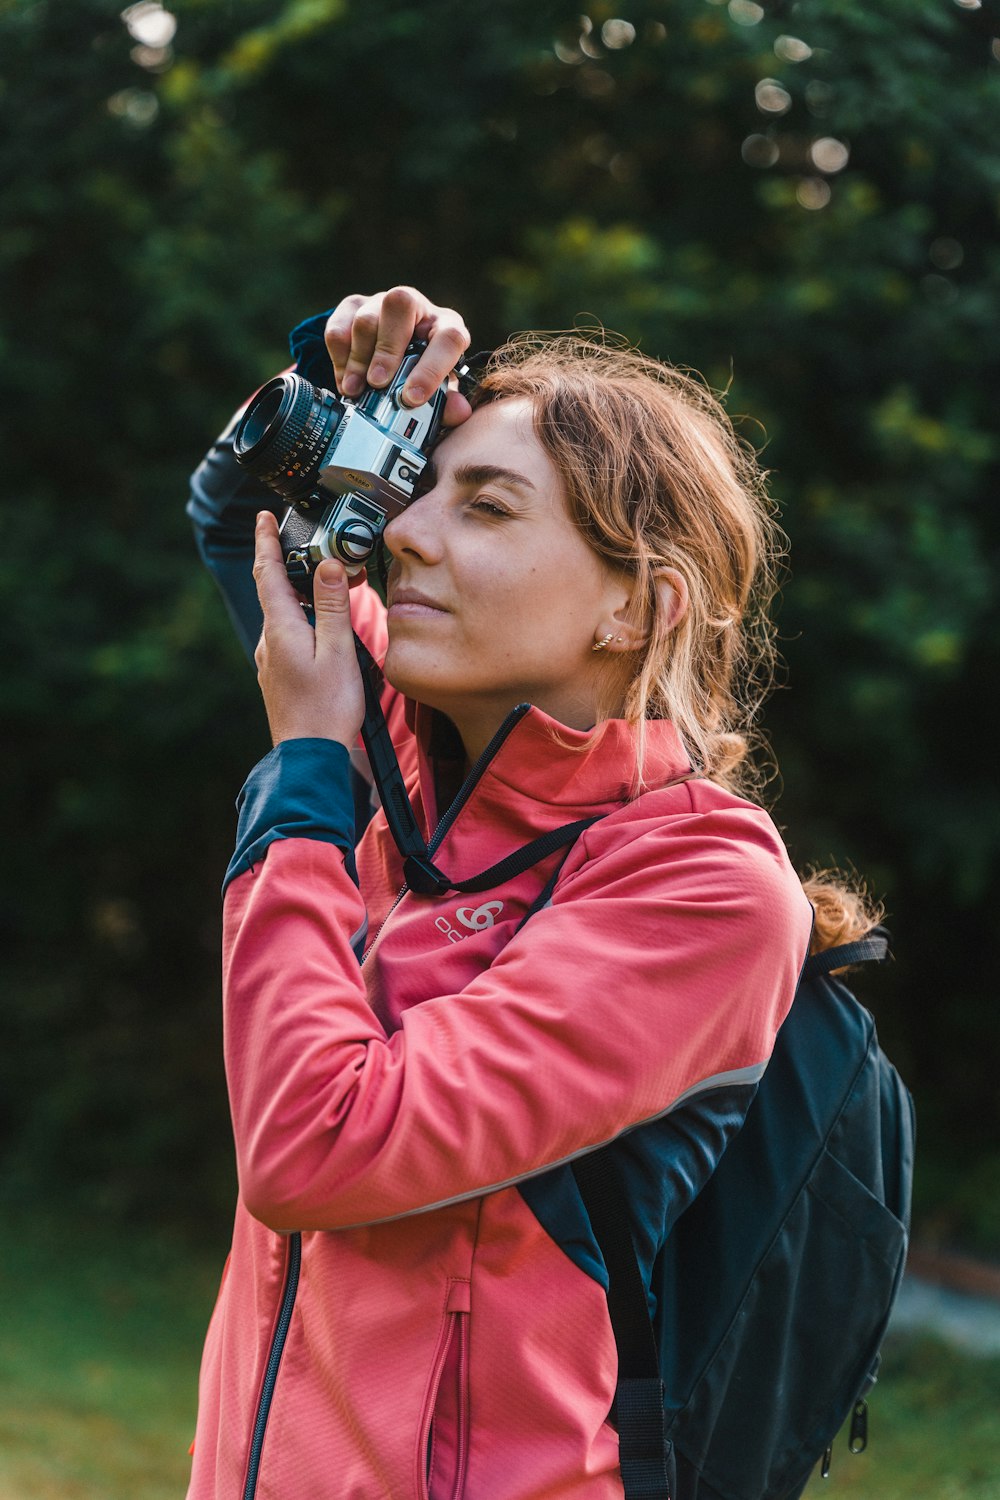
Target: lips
412,600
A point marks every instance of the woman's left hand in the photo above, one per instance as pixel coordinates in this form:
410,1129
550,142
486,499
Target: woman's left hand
309,677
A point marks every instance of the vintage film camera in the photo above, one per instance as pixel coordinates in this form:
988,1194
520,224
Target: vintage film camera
345,467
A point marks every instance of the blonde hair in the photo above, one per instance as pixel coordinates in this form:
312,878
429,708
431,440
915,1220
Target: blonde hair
843,908
655,478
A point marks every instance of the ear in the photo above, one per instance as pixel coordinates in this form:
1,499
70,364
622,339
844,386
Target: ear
672,596
628,634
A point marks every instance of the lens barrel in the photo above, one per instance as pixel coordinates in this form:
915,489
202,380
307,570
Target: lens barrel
286,433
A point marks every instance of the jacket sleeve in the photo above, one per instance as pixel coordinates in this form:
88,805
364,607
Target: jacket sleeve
660,969
224,499
223,506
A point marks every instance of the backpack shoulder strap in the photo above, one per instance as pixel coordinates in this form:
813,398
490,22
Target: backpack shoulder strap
872,948
643,1447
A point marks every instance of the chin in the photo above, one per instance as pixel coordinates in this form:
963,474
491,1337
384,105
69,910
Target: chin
410,672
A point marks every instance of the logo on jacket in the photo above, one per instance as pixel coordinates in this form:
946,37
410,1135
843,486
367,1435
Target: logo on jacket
475,918
481,917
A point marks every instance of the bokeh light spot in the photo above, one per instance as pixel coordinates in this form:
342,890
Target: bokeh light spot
813,192
624,167
153,59
829,154
772,98
745,12
617,34
939,289
586,42
595,83
137,107
792,49
947,254
759,151
150,24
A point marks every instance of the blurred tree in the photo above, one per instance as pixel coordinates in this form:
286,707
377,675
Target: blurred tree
799,199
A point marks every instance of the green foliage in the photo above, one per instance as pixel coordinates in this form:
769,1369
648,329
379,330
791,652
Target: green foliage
800,200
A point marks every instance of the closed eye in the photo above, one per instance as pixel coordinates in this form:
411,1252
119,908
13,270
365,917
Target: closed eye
489,507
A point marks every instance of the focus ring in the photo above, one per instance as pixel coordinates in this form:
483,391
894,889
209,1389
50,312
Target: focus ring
295,423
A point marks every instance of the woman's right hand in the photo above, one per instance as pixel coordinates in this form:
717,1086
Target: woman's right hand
367,338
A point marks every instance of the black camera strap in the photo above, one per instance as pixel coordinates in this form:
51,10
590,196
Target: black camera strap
422,875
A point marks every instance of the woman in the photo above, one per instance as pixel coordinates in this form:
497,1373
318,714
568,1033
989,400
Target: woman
414,1304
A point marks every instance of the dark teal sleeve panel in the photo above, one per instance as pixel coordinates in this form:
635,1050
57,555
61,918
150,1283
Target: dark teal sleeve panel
301,790
663,1166
307,343
223,507
224,498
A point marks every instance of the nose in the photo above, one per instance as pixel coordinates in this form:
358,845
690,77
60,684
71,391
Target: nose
418,530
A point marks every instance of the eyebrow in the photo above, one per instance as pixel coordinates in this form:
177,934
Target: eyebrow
473,474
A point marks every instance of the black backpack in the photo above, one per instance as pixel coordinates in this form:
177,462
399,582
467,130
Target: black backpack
774,1287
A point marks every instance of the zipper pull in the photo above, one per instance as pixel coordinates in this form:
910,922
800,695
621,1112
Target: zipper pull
858,1440
824,1467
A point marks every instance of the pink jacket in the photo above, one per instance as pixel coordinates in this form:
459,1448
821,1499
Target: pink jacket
400,1287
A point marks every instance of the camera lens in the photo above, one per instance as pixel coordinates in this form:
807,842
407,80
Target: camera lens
286,433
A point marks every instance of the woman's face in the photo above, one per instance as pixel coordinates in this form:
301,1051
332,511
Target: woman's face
495,598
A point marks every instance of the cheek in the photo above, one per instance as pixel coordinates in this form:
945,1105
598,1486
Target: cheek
498,593
534,605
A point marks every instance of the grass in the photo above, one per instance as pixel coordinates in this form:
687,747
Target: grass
98,1361
99,1355
933,1426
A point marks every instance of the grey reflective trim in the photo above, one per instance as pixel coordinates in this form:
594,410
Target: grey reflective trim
735,1078
359,939
748,1077
361,763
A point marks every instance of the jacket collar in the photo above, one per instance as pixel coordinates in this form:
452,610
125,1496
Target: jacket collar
544,761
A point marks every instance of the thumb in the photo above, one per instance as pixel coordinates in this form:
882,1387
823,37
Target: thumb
331,599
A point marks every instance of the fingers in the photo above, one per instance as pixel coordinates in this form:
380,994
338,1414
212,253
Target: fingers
447,340
278,599
332,605
309,678
367,337
399,313
337,333
456,409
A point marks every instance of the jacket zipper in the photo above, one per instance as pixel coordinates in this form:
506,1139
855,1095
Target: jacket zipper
469,784
462,796
273,1361
455,1336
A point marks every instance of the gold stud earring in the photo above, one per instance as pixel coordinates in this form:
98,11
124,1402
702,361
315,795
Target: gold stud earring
600,645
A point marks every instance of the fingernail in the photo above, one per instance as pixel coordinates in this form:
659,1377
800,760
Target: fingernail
414,395
378,373
329,577
351,385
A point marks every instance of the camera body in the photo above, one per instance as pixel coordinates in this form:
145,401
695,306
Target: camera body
345,467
